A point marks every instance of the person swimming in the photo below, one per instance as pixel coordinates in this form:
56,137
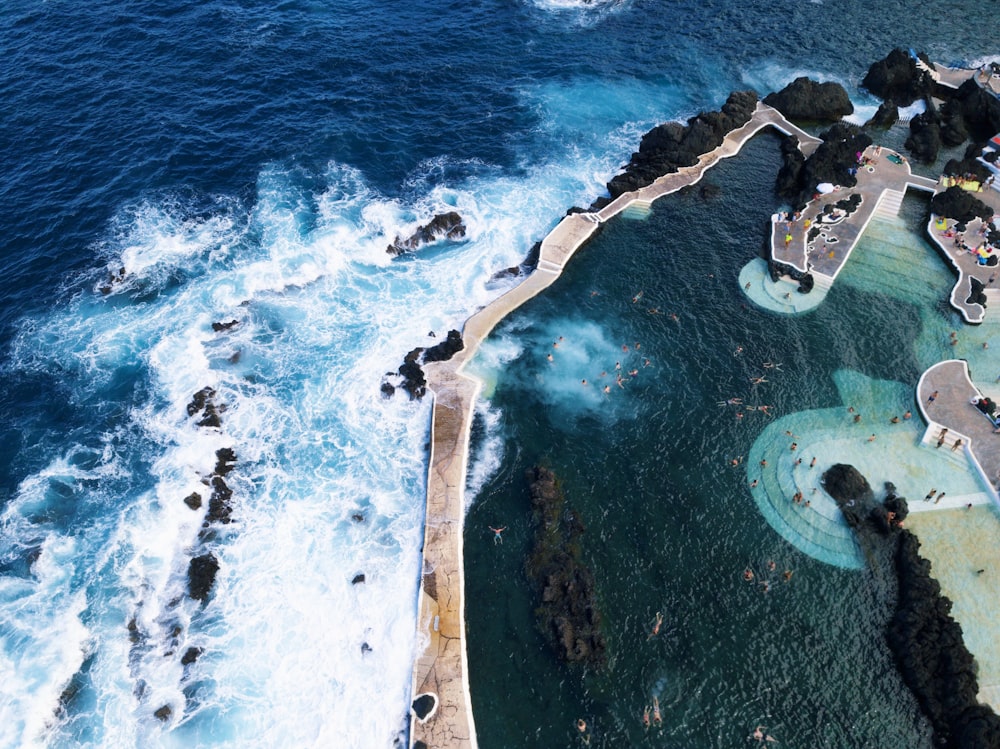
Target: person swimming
656,627
645,717
656,711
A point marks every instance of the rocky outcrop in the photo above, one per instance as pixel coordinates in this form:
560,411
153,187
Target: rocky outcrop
443,226
977,294
806,100
960,205
924,141
568,614
834,161
968,166
978,111
933,659
669,146
201,576
898,79
885,117
410,375
923,637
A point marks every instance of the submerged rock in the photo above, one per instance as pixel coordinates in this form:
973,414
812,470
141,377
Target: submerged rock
568,615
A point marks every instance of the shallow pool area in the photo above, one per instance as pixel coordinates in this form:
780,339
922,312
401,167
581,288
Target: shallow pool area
861,434
780,296
961,544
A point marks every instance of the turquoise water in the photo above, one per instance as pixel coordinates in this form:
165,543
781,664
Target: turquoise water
251,161
672,524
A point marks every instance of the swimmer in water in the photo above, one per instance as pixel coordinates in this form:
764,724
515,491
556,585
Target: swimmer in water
656,627
645,717
656,711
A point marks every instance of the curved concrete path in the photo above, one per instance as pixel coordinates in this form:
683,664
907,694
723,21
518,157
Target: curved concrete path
441,667
951,409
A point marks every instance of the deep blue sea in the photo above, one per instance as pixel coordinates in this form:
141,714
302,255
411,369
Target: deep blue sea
237,160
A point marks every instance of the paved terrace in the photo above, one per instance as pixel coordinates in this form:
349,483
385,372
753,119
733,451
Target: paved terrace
959,535
882,182
952,409
441,669
954,243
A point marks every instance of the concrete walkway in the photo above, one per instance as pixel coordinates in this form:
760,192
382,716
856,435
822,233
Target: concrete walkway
880,184
952,243
951,409
440,671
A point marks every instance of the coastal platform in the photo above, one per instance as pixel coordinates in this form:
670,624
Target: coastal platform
952,239
959,535
820,240
442,715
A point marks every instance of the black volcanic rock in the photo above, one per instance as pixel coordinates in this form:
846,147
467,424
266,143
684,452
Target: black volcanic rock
978,110
898,79
976,292
932,656
190,656
446,349
445,225
669,146
805,99
411,371
201,576
568,614
960,205
924,141
885,117
219,507
925,640
833,161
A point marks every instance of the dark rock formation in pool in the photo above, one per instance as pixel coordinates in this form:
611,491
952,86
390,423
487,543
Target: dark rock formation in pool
443,226
925,640
669,146
568,614
806,100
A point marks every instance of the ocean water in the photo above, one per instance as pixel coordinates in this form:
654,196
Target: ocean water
248,161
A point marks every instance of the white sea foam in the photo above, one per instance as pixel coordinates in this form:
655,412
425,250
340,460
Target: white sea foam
774,76
293,652
486,456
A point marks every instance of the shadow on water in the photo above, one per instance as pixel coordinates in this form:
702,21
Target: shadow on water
670,523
